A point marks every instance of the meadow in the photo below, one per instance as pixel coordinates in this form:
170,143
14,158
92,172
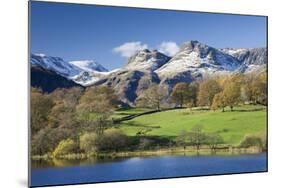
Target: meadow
233,126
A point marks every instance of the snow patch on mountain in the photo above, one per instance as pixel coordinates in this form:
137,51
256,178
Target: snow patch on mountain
89,65
84,72
147,60
193,61
248,56
87,78
198,58
55,64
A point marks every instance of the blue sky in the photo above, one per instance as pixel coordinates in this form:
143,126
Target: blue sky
109,35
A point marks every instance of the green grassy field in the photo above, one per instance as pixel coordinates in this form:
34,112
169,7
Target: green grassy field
232,126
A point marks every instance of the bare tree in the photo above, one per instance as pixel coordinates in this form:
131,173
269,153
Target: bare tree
196,137
213,140
182,139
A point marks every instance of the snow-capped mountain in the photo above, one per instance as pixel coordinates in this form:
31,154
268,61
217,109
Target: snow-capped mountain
82,72
147,60
198,58
87,78
252,59
91,72
89,66
55,64
193,61
251,56
137,75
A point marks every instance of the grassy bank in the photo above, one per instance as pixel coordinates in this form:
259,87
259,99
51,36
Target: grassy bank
188,151
222,150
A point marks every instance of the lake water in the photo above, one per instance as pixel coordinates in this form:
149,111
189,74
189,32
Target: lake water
92,171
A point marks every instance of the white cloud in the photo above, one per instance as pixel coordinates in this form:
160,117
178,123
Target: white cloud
169,48
130,48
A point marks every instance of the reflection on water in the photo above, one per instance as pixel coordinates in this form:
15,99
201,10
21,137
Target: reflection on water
57,163
57,172
44,163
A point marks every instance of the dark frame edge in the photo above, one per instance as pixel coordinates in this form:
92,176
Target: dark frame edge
28,93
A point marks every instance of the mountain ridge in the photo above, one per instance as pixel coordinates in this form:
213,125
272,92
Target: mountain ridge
193,61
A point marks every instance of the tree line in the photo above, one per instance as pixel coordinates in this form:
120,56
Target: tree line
196,138
217,92
74,121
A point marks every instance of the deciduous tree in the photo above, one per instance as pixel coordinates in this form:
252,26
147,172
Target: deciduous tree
232,91
41,105
218,102
152,97
96,106
182,139
213,140
208,88
196,137
180,93
192,91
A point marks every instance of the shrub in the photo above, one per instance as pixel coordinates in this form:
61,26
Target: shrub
113,139
196,137
145,143
251,140
88,142
65,147
213,140
47,139
181,139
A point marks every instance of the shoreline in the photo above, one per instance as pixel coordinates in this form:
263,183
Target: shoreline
157,152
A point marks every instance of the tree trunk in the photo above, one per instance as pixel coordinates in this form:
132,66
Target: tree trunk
231,108
197,147
181,101
158,106
213,150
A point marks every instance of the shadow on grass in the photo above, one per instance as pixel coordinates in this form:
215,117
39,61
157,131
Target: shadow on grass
247,110
135,124
125,113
